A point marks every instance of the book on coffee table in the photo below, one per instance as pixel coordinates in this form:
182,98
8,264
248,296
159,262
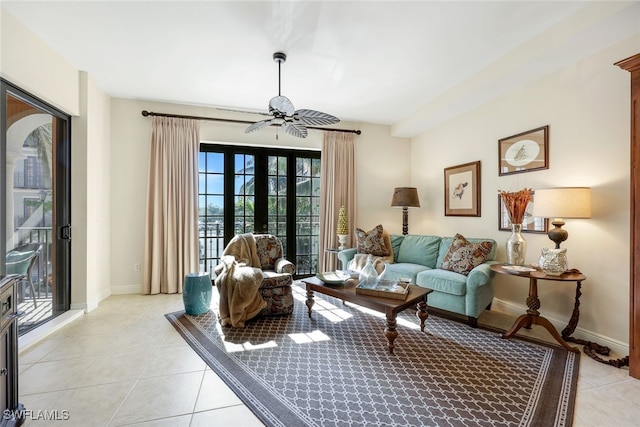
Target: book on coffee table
385,289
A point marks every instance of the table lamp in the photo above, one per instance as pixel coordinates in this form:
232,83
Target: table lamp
405,197
560,203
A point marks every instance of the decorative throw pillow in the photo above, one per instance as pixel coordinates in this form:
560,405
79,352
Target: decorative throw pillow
372,242
463,256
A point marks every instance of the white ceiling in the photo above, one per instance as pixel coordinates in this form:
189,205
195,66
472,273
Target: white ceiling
407,64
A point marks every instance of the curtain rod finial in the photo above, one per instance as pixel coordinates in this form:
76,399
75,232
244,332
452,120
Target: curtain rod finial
145,113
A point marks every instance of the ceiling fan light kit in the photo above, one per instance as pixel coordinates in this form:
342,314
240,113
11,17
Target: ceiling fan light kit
294,122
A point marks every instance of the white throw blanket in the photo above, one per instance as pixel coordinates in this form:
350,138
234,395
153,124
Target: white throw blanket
238,279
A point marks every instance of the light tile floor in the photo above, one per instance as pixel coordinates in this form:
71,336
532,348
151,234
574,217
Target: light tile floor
125,364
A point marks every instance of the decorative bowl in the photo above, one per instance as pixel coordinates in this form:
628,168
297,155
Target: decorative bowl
333,277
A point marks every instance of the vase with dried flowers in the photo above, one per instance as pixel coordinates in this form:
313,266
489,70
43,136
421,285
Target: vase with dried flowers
343,227
516,205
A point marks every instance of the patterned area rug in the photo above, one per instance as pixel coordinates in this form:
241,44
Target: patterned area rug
335,370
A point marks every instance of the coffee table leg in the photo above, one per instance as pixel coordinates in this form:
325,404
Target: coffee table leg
422,313
390,331
309,301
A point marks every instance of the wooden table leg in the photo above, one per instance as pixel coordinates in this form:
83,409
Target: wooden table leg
309,301
521,321
533,318
422,313
554,333
575,314
390,331
533,304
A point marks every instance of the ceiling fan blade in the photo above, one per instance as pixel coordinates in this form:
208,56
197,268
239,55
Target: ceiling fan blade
262,113
281,104
315,118
284,113
258,125
295,128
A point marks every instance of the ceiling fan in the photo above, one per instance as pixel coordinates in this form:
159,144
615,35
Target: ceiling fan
294,122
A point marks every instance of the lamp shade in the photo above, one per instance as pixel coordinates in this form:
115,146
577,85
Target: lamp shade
568,202
405,197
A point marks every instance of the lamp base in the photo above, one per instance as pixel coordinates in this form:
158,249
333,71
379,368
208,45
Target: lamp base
405,220
557,234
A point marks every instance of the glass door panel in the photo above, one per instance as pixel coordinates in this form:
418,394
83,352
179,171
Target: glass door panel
277,198
210,209
35,147
244,192
307,214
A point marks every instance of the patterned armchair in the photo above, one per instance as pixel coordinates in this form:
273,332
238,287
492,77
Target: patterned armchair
278,276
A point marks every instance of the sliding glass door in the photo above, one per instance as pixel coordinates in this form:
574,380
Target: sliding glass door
259,190
35,204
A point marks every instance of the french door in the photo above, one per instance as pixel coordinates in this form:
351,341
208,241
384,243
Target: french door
35,204
259,190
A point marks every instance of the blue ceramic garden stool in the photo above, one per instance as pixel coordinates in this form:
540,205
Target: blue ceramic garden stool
196,293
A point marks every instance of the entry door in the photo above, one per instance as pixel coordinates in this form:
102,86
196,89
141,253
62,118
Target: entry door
35,212
259,190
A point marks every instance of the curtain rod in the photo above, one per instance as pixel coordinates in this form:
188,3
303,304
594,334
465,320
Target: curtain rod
146,113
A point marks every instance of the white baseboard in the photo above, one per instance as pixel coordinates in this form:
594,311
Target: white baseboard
46,329
126,289
620,348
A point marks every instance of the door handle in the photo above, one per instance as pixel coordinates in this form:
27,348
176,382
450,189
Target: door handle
65,232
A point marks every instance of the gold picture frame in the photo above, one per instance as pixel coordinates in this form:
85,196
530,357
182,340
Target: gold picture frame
525,152
462,190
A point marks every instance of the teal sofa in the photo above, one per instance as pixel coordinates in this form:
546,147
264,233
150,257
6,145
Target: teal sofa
417,257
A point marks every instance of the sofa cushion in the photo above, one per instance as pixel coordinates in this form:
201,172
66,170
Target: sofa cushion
396,241
419,249
445,281
398,271
372,242
463,255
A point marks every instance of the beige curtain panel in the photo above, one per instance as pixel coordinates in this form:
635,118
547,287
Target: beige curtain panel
171,232
337,188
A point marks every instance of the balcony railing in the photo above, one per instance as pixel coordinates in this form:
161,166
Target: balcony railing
41,274
22,180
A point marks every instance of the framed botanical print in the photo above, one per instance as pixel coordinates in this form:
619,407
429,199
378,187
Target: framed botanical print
525,152
462,190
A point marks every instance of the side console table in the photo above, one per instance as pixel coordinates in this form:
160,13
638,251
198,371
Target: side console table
532,316
12,410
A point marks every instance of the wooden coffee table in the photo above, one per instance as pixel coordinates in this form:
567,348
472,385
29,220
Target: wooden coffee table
390,307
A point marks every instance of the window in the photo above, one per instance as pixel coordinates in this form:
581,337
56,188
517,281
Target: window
259,190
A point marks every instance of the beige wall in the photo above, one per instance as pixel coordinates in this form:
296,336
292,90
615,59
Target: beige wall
382,164
587,108
27,62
